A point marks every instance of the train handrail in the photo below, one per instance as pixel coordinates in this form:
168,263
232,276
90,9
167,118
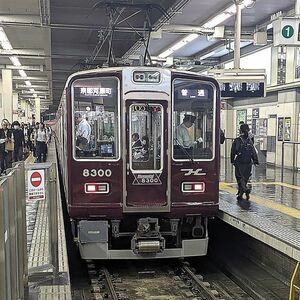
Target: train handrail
282,155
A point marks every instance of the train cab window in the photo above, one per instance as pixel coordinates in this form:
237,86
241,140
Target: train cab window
96,118
146,135
193,120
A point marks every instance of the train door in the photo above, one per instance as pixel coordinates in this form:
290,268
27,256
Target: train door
146,168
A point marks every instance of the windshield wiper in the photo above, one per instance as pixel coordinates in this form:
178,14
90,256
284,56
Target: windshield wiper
184,150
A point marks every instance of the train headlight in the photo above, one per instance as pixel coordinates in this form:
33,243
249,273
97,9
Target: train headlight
193,187
96,188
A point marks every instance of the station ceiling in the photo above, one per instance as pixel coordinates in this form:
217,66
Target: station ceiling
54,38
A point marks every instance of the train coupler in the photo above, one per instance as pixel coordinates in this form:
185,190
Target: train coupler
147,238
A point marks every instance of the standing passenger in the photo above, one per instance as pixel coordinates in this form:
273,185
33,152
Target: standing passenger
19,141
83,133
4,135
41,139
243,155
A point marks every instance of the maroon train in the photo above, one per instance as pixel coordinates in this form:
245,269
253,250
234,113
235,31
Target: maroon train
139,153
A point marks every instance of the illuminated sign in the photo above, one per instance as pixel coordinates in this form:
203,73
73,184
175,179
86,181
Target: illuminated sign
192,94
95,92
242,89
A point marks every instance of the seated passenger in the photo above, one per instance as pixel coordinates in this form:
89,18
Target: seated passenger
183,137
145,147
136,146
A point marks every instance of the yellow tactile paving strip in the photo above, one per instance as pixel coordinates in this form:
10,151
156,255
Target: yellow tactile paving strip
292,212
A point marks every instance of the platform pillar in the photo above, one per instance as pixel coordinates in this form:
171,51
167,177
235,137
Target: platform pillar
37,110
15,115
274,65
7,95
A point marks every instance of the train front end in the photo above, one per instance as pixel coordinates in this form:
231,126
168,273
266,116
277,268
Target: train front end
143,162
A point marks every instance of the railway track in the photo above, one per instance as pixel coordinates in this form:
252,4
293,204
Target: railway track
144,280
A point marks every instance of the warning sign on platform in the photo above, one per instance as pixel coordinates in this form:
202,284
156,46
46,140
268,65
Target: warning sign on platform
36,185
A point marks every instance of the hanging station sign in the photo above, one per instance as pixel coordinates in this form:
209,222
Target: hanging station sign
241,83
286,31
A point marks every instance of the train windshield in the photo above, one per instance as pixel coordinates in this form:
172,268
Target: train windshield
193,120
96,118
146,134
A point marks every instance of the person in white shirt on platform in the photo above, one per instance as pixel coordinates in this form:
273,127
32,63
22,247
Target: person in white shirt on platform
183,137
83,133
41,139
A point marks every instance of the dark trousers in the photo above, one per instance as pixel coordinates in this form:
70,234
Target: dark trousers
41,151
242,175
18,153
3,160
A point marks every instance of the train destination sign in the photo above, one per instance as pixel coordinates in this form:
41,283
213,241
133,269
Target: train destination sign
36,185
93,91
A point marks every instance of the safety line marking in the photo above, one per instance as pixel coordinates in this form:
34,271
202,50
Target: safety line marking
292,212
291,186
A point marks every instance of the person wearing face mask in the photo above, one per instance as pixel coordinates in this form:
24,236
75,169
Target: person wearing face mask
5,136
19,141
42,140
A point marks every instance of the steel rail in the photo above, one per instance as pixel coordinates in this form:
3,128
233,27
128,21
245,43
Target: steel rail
206,291
110,284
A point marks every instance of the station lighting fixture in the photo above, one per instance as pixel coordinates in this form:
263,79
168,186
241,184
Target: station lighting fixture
22,73
15,61
213,22
6,45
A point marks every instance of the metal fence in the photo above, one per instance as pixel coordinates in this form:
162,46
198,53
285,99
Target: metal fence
13,241
50,270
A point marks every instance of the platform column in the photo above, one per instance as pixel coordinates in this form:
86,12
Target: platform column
229,126
7,95
37,110
274,65
15,99
24,115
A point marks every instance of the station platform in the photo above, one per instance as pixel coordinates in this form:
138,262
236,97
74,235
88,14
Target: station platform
42,283
272,215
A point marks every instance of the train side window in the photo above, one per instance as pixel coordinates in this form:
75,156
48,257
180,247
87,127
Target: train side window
146,134
96,122
193,120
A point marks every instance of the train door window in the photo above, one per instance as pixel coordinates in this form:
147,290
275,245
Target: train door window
193,120
145,137
96,118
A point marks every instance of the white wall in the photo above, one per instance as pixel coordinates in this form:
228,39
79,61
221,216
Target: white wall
258,60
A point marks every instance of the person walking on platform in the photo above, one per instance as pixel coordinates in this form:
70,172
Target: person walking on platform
19,141
41,139
243,156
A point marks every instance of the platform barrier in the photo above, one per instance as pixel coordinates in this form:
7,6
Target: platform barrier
295,283
43,178
13,241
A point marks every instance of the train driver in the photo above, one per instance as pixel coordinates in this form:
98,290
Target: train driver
83,132
183,137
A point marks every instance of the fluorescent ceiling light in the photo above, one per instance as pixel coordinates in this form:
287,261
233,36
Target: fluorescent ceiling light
189,38
270,26
32,90
221,17
22,73
5,44
15,61
208,55
213,22
27,82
